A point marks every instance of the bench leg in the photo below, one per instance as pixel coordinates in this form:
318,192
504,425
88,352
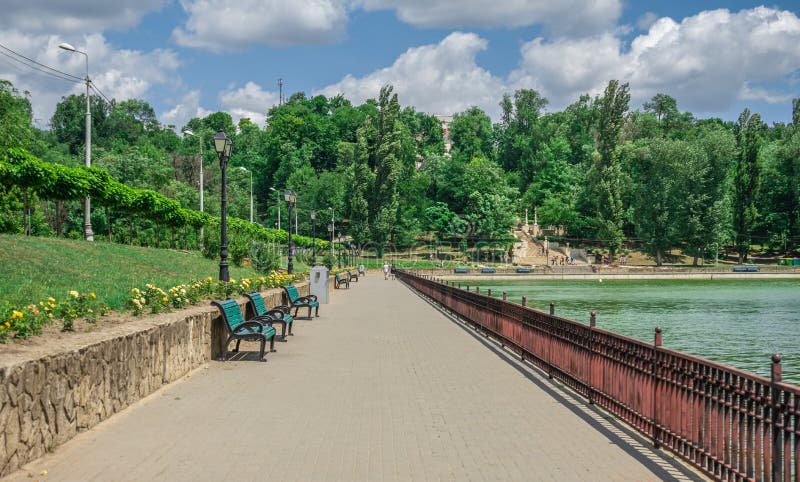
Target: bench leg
283,331
261,356
236,350
272,345
315,314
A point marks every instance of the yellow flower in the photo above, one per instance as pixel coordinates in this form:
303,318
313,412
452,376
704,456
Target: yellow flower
73,293
93,295
165,299
16,314
8,324
51,300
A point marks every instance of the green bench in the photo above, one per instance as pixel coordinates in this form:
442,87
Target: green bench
353,276
340,280
239,329
279,314
296,301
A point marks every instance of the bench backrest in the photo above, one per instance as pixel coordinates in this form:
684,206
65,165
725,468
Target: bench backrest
461,270
231,313
258,303
292,293
337,276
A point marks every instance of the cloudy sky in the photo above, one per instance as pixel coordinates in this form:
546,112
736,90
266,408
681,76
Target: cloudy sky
191,57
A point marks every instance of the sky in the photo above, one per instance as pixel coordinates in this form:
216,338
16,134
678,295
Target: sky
189,58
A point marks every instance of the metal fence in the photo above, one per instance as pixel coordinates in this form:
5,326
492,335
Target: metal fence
730,424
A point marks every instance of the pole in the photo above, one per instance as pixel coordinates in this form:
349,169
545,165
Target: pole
87,208
251,196
279,209
289,266
200,138
223,251
314,240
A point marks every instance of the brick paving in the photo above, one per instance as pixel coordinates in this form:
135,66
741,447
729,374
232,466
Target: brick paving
382,386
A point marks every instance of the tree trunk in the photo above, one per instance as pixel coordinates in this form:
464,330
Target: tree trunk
659,261
108,221
25,225
59,208
172,243
130,227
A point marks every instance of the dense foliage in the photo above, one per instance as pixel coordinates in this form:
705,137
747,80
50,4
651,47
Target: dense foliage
611,176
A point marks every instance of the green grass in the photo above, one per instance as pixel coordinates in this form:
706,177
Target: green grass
33,268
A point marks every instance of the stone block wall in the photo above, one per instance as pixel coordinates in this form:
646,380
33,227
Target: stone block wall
48,398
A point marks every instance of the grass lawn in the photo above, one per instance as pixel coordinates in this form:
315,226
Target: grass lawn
33,268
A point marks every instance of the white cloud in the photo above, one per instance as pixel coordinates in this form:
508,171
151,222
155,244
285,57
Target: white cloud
577,17
441,78
76,16
223,25
118,73
707,61
186,109
250,101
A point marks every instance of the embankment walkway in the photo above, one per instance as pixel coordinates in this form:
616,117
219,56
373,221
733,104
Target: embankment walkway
382,386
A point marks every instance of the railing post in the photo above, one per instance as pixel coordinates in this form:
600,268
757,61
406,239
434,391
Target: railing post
505,296
590,345
489,292
552,308
776,376
524,301
656,346
467,288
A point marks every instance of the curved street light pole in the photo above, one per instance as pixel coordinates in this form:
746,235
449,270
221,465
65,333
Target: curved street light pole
88,235
200,141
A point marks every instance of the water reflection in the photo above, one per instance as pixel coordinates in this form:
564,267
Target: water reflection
737,322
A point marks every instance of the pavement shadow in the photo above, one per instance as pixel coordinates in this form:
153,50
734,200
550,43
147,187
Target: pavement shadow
663,464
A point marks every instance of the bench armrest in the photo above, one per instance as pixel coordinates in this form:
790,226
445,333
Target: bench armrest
250,324
283,308
306,299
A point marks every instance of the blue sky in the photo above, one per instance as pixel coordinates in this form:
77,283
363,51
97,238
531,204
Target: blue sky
192,57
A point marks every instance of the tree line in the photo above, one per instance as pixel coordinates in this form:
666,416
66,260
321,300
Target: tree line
656,176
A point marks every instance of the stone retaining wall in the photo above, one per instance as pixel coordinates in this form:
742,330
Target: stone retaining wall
47,399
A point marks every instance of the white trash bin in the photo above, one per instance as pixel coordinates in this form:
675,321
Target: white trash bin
319,284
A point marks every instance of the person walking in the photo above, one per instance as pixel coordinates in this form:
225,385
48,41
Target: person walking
385,270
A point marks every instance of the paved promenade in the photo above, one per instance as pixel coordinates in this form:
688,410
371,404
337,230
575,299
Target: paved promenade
382,386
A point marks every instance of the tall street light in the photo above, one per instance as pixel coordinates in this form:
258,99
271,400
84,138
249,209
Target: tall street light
223,146
314,237
242,168
278,194
291,199
87,209
332,229
200,141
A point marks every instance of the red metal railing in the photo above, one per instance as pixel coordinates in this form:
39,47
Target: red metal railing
730,424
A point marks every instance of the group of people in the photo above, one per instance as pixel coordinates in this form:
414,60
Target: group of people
562,260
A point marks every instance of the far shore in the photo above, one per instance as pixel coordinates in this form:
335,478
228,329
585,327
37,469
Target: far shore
607,274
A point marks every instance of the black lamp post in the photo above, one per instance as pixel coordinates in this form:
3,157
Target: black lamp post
314,237
223,146
290,197
330,255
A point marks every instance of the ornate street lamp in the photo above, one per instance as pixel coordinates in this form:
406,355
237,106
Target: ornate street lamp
223,146
291,198
314,237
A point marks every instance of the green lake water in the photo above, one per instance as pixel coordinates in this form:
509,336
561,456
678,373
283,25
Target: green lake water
736,322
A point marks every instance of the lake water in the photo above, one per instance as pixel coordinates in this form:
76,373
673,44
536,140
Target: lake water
736,322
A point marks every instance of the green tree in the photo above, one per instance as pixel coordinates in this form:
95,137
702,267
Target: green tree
605,175
16,117
748,141
471,134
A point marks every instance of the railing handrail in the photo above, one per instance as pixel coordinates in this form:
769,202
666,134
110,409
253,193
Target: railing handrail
729,423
